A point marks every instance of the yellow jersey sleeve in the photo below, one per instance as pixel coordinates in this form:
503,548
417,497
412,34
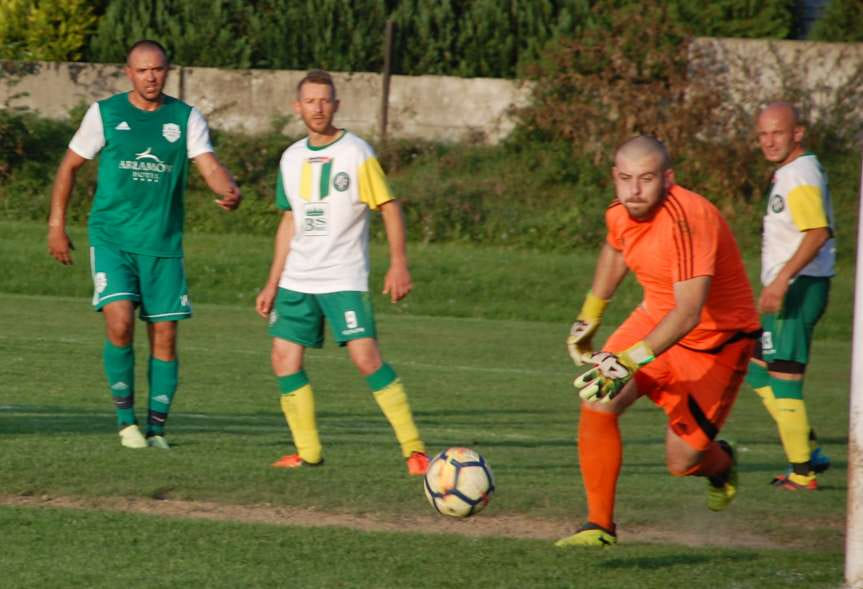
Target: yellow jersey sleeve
806,204
373,184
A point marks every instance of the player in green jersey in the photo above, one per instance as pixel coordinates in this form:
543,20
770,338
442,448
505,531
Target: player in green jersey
144,140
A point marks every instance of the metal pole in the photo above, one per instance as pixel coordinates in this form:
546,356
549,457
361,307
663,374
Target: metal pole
854,524
385,93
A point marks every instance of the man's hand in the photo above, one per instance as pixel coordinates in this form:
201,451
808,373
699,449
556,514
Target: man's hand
397,282
579,343
611,372
770,300
231,199
265,299
59,245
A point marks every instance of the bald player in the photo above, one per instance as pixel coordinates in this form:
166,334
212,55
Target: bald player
797,261
144,140
685,347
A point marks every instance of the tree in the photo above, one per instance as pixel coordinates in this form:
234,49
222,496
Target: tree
45,30
841,22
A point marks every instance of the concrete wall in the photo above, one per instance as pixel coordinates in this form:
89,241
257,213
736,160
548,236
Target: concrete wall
820,77
428,107
437,107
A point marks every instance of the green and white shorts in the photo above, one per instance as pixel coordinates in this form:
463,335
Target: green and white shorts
156,285
788,334
299,317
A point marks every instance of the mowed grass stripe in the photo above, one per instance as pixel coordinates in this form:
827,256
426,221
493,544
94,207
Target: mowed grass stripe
58,548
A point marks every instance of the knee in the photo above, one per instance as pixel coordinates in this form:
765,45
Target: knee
164,341
119,331
367,364
681,464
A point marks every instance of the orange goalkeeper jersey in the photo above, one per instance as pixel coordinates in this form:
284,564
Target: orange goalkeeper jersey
685,238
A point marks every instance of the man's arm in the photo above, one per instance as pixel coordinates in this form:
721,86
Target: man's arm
689,298
610,271
772,295
611,371
59,244
219,180
397,282
284,235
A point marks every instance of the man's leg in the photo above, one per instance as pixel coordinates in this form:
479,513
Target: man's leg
162,376
717,463
600,456
298,404
793,424
119,362
392,399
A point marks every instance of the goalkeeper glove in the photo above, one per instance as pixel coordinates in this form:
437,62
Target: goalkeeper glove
581,333
611,372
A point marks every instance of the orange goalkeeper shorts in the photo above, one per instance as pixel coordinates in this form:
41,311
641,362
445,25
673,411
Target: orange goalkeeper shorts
696,389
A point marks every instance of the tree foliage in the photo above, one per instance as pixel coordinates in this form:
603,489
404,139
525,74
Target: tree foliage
470,38
204,32
841,22
49,30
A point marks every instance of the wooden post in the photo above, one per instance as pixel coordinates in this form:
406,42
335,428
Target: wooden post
385,93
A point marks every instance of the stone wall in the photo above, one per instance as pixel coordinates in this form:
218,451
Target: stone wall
438,108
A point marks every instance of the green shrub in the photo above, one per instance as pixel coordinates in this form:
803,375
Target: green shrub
49,30
842,22
203,33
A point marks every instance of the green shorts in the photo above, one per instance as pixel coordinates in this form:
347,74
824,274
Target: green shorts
788,334
299,317
156,285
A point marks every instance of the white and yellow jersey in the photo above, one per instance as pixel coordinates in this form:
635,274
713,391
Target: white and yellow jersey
330,190
799,200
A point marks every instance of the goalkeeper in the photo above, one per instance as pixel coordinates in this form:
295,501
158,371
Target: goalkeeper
686,346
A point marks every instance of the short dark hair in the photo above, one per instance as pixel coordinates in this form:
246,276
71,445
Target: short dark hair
148,43
317,77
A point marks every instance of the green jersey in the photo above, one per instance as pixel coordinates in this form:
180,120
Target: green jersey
143,170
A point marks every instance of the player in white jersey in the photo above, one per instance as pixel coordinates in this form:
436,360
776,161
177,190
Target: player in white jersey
797,261
144,141
327,184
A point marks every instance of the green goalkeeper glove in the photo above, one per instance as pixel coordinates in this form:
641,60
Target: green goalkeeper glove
581,333
611,372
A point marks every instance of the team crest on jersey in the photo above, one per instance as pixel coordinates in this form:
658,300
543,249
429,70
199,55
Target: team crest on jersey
342,181
171,131
777,203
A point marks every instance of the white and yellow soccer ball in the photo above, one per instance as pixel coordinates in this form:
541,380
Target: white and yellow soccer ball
459,482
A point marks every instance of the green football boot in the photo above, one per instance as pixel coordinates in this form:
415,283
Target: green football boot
721,493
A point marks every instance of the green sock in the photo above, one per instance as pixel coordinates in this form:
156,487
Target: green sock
120,369
163,384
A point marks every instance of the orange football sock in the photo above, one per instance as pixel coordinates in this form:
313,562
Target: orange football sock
600,454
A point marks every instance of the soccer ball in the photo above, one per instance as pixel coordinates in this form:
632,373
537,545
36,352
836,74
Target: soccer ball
459,482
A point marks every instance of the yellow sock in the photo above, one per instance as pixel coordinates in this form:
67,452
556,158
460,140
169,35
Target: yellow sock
793,429
299,409
766,394
394,403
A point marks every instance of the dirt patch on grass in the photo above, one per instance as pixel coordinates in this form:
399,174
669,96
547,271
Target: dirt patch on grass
485,525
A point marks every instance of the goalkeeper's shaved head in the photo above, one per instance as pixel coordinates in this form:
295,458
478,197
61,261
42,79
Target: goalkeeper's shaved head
642,175
641,147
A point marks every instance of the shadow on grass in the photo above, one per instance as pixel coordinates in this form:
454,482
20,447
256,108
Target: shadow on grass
664,562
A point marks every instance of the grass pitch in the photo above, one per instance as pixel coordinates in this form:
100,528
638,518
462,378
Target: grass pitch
501,386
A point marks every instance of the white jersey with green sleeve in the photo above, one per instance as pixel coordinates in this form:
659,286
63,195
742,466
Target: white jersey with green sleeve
799,200
330,190
143,169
